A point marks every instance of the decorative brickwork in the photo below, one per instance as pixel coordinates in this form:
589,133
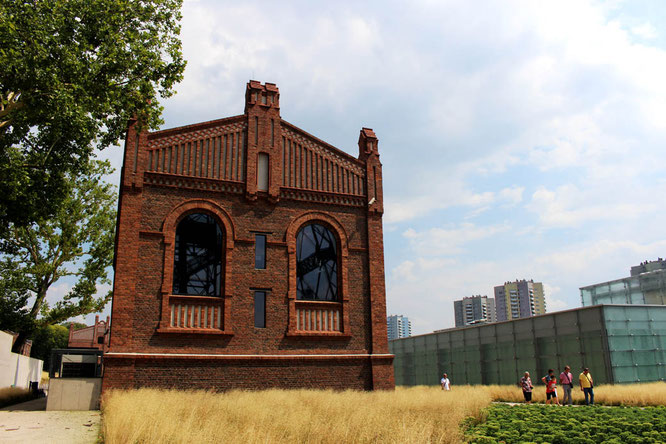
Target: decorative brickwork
163,339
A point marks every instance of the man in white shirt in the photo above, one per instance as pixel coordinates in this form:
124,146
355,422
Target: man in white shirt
446,384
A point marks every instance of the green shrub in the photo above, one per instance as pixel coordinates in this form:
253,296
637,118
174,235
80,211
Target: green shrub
579,425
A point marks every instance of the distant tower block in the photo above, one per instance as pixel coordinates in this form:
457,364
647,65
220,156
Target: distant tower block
519,299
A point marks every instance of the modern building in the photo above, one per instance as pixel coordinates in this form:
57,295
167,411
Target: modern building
398,326
519,299
619,343
249,254
646,285
474,310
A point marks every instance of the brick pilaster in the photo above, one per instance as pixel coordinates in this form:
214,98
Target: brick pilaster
262,110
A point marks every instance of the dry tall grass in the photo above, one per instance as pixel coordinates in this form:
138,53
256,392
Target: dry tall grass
647,394
408,415
13,395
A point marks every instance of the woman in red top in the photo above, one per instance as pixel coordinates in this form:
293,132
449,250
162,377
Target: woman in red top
551,387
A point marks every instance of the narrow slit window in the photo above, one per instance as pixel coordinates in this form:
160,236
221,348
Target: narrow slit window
260,251
262,172
260,309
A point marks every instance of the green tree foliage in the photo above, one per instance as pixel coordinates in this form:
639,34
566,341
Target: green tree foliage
78,241
45,339
72,72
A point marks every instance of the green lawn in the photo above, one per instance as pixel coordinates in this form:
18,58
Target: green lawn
571,425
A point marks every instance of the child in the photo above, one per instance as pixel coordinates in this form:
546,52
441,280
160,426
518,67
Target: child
551,387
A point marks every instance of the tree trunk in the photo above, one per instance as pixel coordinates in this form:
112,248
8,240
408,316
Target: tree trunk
25,332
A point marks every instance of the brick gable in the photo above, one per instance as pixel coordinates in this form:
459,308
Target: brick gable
166,340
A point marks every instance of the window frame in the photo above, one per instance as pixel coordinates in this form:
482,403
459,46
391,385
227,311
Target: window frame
219,256
216,310
336,239
263,172
263,293
265,252
297,308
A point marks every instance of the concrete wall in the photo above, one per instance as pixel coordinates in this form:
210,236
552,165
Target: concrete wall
74,394
17,370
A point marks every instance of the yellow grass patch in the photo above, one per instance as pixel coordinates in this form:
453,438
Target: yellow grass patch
12,395
407,415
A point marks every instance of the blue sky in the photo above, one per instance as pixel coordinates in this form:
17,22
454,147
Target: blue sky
519,139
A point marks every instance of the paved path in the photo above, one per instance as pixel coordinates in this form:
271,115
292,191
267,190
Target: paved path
29,422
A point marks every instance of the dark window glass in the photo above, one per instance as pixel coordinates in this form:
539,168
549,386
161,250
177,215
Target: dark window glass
260,251
260,309
197,268
316,264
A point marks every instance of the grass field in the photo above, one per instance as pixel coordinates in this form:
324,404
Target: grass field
409,415
406,415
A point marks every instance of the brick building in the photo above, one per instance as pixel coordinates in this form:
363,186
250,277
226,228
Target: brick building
249,254
94,336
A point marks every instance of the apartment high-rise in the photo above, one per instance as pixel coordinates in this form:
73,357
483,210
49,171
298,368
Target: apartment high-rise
474,310
398,326
519,299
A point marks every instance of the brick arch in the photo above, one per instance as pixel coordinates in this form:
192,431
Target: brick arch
169,227
343,299
195,206
304,219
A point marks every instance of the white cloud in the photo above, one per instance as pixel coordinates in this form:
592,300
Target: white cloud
568,206
646,31
450,240
512,195
552,302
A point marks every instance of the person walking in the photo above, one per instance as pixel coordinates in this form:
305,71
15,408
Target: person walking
567,385
446,384
551,387
587,386
526,385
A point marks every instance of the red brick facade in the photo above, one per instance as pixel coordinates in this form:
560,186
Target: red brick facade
166,340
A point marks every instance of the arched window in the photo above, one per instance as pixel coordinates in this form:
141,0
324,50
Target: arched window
197,268
316,264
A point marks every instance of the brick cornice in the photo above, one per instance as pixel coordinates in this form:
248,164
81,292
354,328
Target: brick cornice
195,183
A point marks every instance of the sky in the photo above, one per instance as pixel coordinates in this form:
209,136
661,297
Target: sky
519,139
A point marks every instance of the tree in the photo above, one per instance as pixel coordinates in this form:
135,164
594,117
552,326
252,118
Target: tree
72,73
45,339
77,241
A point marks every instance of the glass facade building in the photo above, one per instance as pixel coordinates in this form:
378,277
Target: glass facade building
619,343
646,285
